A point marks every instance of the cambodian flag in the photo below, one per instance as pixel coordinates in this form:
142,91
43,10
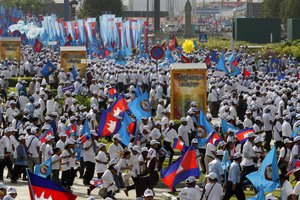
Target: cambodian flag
118,107
82,139
180,170
108,125
42,137
242,134
71,129
236,61
38,46
41,188
214,138
112,92
178,144
98,182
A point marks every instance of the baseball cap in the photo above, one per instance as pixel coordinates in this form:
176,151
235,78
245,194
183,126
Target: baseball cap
297,138
153,142
148,193
144,149
191,179
117,136
237,155
220,153
194,141
212,176
287,140
49,137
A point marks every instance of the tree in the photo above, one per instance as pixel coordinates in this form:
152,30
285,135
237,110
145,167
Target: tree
33,6
94,8
271,8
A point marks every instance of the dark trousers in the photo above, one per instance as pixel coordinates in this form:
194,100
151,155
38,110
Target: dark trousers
55,175
247,170
81,170
110,194
7,162
89,172
67,177
214,109
278,144
167,146
268,139
141,184
18,169
119,181
238,192
153,179
1,169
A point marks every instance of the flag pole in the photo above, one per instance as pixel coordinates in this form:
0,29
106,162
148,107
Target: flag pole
30,185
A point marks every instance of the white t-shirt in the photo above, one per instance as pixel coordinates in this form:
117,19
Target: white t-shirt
115,151
65,162
7,144
297,190
48,152
286,190
100,168
183,132
89,155
33,146
209,149
169,135
190,193
213,191
108,180
56,165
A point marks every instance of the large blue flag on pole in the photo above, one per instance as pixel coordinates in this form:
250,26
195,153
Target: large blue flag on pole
140,107
44,169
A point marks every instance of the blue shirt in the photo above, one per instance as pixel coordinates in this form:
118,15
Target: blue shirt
234,173
22,158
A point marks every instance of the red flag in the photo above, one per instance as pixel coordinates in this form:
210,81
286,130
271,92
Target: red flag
173,43
75,24
207,61
109,125
184,59
164,45
118,107
246,73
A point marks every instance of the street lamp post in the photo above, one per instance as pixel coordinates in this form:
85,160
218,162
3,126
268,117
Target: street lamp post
73,5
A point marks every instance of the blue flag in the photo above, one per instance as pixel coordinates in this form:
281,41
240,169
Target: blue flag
204,130
138,91
259,196
226,126
258,178
44,169
125,139
221,65
48,69
140,107
295,132
281,76
274,66
74,72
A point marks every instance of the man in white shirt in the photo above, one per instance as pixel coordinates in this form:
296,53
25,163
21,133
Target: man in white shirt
115,149
48,149
286,127
89,160
191,191
213,189
268,126
169,135
183,132
8,151
286,188
297,186
215,166
248,155
33,148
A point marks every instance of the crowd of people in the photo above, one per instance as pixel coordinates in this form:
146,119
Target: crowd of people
259,101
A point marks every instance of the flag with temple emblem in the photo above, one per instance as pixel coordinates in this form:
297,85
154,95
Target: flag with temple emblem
38,46
85,133
178,144
124,131
48,69
214,138
108,124
44,169
42,137
118,107
242,134
181,169
41,188
140,107
112,92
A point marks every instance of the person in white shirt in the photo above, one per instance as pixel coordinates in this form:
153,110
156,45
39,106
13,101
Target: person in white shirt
286,127
213,189
108,181
33,147
67,164
11,194
89,148
277,131
48,149
191,191
160,108
286,188
268,127
248,155
11,111
55,159
297,186
115,149
8,151
61,143
155,133
215,166
285,155
209,155
183,132
169,135
296,149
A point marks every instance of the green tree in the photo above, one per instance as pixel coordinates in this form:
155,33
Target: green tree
34,6
94,8
271,8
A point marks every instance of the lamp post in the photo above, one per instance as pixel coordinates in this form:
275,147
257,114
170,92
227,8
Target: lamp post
73,5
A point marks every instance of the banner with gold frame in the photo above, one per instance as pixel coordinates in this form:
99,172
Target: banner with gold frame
10,48
188,84
75,55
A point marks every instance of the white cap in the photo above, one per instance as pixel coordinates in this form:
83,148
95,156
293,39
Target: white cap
33,131
251,134
62,134
171,123
191,179
49,137
73,118
258,139
270,197
220,152
212,176
144,149
22,137
153,142
287,140
297,138
136,148
237,155
70,141
47,118
183,119
148,193
117,136
194,141
101,144
11,190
